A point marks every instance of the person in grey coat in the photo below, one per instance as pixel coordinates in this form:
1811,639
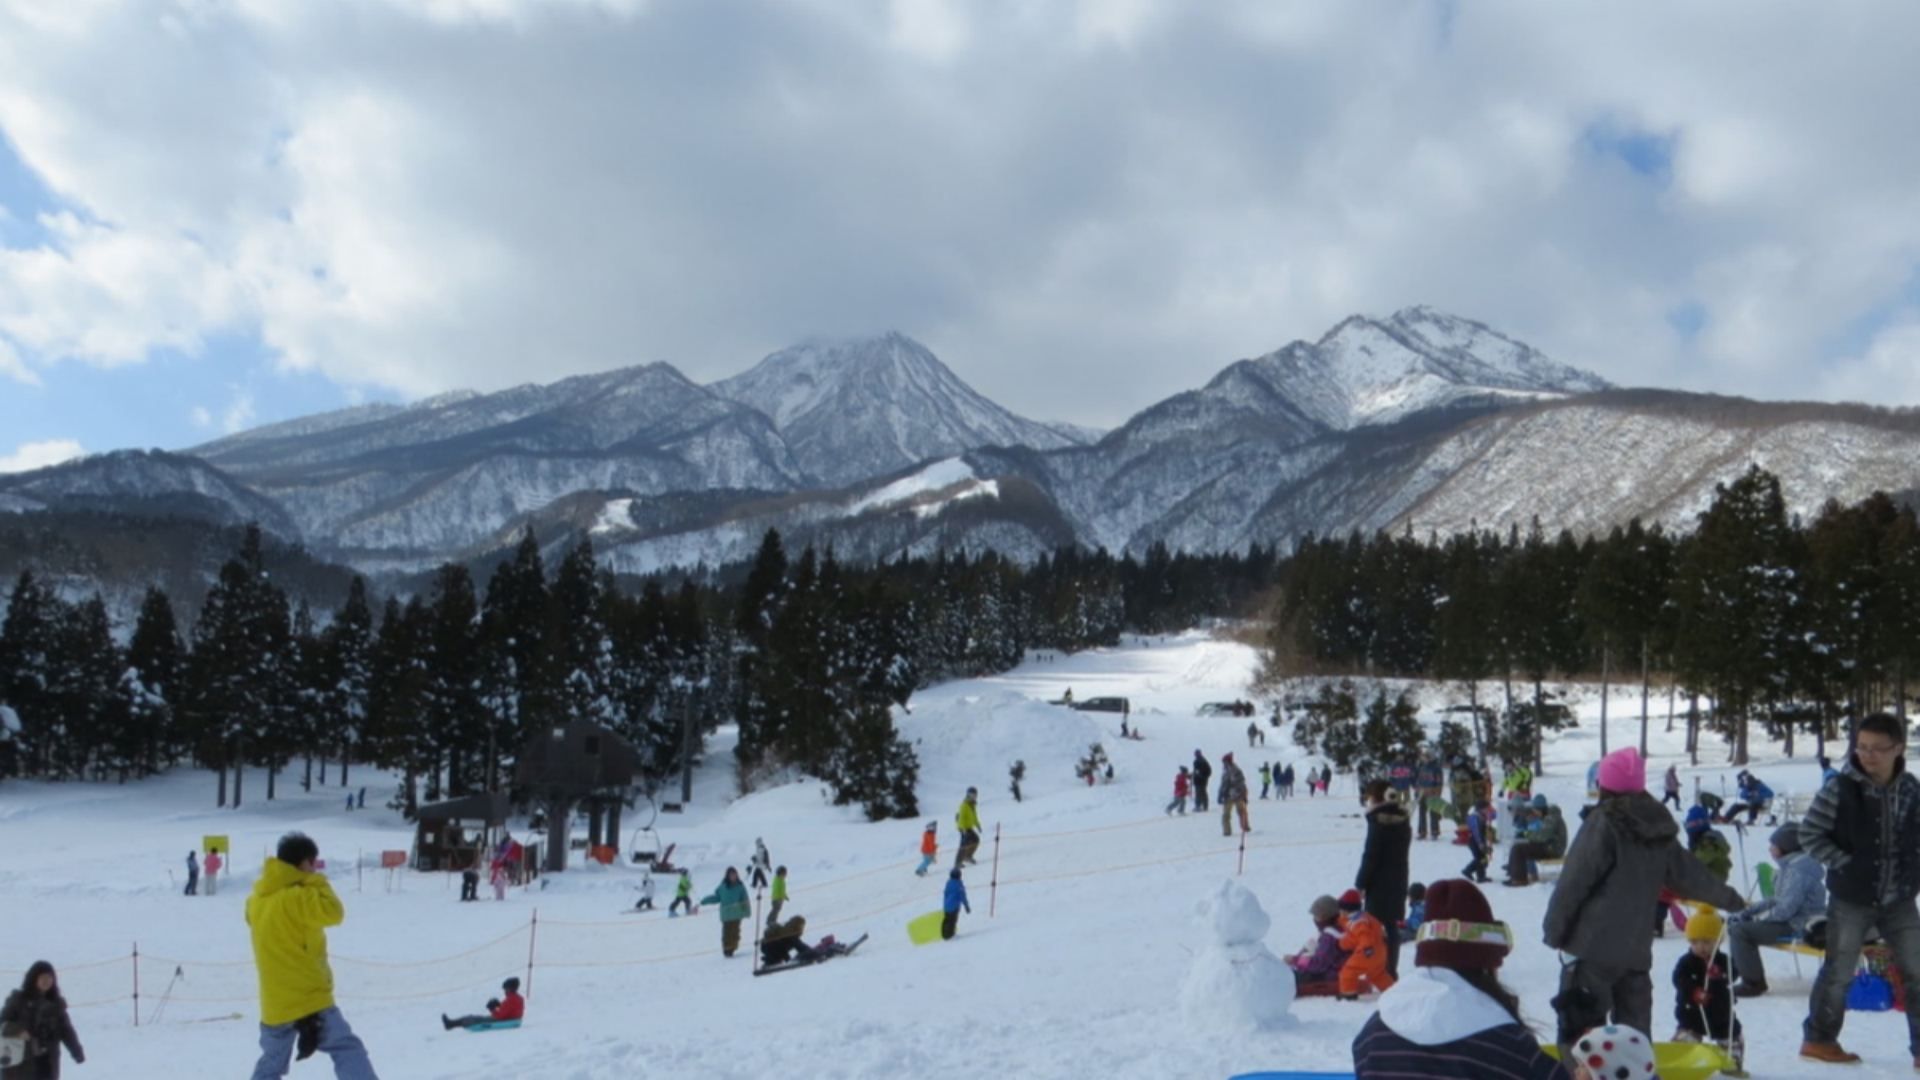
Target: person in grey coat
1799,893
1627,850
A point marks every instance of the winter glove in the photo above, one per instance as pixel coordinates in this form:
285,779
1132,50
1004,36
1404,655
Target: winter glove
308,1038
492,1004
79,1056
1699,996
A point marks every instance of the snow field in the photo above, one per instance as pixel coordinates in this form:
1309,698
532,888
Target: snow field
1099,921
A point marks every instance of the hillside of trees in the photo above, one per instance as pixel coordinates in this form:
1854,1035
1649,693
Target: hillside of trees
1796,627
444,686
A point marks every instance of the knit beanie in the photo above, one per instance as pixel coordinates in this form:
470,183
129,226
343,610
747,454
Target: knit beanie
1623,771
1460,931
1615,1052
1350,900
1698,818
1705,924
1786,838
1323,907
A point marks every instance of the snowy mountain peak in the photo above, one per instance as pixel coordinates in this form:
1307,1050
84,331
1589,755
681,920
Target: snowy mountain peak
852,408
1372,371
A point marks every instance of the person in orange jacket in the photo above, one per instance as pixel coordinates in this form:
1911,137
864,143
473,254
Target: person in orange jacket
1365,943
929,846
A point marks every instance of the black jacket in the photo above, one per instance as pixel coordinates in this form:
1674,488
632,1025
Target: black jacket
1708,1020
44,1019
1383,863
1868,837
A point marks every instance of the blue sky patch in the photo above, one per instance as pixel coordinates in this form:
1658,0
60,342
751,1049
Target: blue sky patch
1647,153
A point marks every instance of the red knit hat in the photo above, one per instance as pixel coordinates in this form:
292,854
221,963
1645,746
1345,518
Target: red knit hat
1460,931
1350,900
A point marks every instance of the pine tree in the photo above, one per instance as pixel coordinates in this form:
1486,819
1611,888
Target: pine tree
155,661
88,728
234,676
1737,595
347,676
456,720
27,656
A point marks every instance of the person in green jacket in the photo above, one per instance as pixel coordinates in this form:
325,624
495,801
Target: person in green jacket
779,895
734,908
968,821
682,894
1708,845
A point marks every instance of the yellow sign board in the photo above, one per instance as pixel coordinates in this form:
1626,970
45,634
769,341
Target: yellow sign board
214,843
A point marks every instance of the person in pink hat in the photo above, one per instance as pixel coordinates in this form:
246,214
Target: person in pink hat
1627,850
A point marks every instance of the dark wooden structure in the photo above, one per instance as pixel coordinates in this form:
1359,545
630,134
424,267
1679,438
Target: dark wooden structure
459,833
574,764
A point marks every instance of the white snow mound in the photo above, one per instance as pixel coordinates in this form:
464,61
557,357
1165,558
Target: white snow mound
1236,984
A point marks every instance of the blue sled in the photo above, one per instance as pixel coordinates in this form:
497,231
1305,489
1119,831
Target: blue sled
494,1025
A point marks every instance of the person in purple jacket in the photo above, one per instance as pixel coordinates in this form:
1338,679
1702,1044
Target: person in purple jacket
1316,971
1450,1017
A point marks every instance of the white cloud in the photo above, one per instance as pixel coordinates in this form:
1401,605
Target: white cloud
1082,207
39,455
12,367
201,417
239,413
1888,372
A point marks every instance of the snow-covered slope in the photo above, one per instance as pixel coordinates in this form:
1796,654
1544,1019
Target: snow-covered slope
1372,371
151,482
1083,929
857,408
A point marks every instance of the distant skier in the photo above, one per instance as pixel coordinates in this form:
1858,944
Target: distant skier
212,866
508,1006
1266,778
929,847
762,864
1286,782
782,943
1672,787
498,876
645,903
1253,732
952,903
1202,772
967,819
682,894
362,802
469,884
193,874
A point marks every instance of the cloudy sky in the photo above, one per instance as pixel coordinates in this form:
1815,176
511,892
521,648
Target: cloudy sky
217,213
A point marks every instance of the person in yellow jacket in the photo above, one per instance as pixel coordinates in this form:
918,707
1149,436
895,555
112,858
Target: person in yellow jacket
968,821
288,914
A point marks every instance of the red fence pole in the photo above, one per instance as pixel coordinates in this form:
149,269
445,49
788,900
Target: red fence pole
993,879
533,931
136,984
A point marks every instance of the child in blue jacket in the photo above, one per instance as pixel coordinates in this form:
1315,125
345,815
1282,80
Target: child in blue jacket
956,899
1477,844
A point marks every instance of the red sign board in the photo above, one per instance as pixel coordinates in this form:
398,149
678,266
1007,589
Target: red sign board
393,859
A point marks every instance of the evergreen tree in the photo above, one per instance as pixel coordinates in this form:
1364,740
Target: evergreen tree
456,719
347,676
155,661
234,676
1737,594
27,655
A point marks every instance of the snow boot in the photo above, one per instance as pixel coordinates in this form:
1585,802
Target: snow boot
1749,989
1827,1053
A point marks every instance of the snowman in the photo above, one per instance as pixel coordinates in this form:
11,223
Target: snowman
1236,983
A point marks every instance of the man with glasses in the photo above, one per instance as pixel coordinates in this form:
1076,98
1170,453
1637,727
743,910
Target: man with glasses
1864,827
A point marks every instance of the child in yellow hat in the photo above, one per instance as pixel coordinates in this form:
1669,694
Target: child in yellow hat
1703,997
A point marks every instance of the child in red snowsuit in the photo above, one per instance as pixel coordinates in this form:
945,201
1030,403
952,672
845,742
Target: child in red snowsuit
1365,943
509,1006
1181,787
